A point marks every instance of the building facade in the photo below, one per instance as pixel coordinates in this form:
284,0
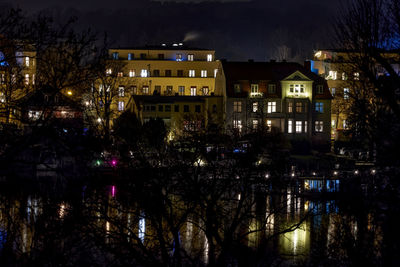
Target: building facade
283,96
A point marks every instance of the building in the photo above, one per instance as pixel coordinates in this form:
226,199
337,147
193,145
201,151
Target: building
281,95
182,85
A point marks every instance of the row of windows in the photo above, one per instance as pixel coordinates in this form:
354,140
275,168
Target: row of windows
167,108
346,92
302,126
27,79
293,88
168,91
237,107
271,107
144,73
178,56
333,75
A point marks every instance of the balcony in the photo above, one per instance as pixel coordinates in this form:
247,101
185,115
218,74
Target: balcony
256,95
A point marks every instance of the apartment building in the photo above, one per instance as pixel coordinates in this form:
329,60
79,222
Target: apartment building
283,96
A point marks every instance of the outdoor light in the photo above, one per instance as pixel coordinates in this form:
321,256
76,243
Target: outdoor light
98,162
373,171
292,174
356,172
113,191
69,93
267,175
314,173
98,120
114,163
335,173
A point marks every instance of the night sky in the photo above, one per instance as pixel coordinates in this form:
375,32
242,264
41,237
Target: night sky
237,30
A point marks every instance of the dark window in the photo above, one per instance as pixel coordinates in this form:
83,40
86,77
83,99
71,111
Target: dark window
197,108
180,73
160,108
176,108
115,55
160,56
157,89
153,108
156,73
143,56
169,90
186,108
237,88
167,108
271,88
214,108
167,73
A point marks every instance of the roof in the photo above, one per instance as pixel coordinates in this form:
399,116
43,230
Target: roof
162,47
155,99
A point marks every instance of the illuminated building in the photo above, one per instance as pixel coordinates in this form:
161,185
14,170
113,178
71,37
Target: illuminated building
281,95
181,85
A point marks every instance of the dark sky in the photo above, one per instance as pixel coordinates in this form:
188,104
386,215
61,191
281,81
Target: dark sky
237,30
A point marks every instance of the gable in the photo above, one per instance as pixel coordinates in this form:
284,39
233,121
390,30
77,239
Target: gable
297,76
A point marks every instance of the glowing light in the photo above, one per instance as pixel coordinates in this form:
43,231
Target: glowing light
98,162
356,172
142,227
314,173
69,92
61,211
318,54
335,173
113,191
114,162
373,171
99,120
267,175
87,103
292,174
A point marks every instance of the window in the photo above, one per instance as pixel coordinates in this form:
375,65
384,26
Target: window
346,93
120,74
115,55
269,125
179,73
34,115
197,108
237,106
297,88
332,75
319,126
108,71
143,73
121,91
145,90
290,107
190,57
333,91
167,108
254,89
215,72
134,89
161,56
178,57
299,107
356,76
2,78
236,88
209,57
255,124
191,73
333,123
33,78
271,88
176,108
344,76
299,125
130,56
185,108
121,105
156,73
160,108
181,90
255,106
26,79
157,89
320,89
152,108
290,126
131,73
305,126
142,56
27,61
237,124
319,107
203,73
193,91
168,73
344,124
271,107
214,108
169,90
205,90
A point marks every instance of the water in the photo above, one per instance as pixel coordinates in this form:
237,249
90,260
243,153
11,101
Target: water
149,224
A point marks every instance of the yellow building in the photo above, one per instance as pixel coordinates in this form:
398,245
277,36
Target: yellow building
183,86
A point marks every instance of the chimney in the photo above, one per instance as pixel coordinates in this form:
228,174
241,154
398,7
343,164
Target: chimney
307,65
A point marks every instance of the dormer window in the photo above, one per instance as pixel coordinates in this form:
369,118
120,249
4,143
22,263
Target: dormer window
320,89
209,57
115,55
178,57
190,57
271,88
237,88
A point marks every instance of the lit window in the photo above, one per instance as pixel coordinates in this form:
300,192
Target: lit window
181,90
299,107
26,79
271,107
319,126
205,90
333,91
121,105
237,106
305,126
255,106
191,73
271,88
134,89
215,72
237,124
269,124
190,57
346,93
344,76
27,61
145,90
33,78
108,71
290,126
34,115
130,56
254,90
332,75
121,91
255,124
356,76
344,124
178,57
115,55
320,89
193,90
2,78
290,107
299,125
296,88
120,74
319,107
333,123
209,57
203,73
143,73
